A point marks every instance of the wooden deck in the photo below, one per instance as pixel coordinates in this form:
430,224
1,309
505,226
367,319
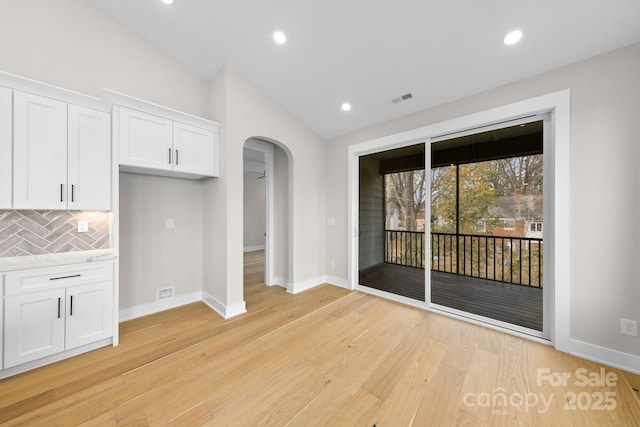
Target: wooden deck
518,305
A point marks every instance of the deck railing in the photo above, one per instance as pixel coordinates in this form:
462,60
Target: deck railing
516,260
404,248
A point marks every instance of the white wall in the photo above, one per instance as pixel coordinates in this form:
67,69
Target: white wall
249,113
604,180
254,197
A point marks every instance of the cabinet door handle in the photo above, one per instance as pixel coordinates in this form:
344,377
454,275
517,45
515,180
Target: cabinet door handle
64,277
169,155
61,190
71,309
59,307
177,157
73,198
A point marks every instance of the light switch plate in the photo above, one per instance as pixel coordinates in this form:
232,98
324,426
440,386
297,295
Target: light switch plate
83,226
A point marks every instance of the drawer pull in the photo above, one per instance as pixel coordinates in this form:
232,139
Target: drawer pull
64,277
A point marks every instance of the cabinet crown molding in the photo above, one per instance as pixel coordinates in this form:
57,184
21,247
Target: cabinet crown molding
35,87
113,98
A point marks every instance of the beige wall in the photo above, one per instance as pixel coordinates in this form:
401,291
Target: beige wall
254,211
74,45
605,101
151,255
249,113
281,221
77,46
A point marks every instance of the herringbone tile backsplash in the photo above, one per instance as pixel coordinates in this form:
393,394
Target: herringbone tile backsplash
46,232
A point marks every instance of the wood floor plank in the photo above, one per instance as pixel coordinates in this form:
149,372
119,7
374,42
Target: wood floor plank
327,356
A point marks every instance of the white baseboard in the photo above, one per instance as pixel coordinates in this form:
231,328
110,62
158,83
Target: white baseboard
305,285
616,359
158,306
222,309
338,281
54,358
253,248
281,281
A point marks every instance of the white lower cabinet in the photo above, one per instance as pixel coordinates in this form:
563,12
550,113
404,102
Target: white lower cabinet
89,314
34,326
52,310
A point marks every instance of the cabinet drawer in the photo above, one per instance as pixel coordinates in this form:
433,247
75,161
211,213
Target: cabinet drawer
37,279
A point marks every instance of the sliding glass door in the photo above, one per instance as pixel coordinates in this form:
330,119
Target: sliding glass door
487,225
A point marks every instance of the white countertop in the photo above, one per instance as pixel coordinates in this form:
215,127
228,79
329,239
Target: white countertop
48,260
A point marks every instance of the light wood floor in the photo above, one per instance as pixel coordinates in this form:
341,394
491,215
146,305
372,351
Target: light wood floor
327,356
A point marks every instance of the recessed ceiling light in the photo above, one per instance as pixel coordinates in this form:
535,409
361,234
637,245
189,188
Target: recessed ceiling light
279,37
167,1
346,106
513,37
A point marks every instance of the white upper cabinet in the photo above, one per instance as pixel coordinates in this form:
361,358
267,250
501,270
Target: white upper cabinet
157,145
194,150
39,152
89,159
6,178
61,155
157,140
145,140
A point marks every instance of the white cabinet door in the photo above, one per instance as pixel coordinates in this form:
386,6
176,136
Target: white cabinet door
145,140
193,149
1,324
34,326
89,314
89,159
6,179
39,152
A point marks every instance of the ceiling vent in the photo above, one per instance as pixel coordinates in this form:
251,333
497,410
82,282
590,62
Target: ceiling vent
404,97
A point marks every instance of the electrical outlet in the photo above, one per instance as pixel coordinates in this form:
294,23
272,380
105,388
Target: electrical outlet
629,327
162,293
170,223
83,226
333,264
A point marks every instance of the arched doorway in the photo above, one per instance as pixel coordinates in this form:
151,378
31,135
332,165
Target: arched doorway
267,207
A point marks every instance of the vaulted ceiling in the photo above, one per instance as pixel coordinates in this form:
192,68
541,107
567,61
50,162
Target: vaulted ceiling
368,52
